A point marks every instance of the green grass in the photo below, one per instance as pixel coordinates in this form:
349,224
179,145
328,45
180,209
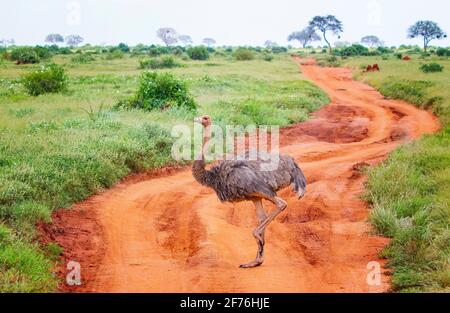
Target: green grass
56,149
410,192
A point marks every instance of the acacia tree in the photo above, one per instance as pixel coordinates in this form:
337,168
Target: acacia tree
305,36
270,44
325,24
185,39
7,42
54,38
428,30
74,40
371,41
168,35
209,41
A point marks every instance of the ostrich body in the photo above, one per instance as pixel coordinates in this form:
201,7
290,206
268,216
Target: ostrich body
243,180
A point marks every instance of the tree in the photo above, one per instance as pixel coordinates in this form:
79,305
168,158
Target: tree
74,40
7,42
54,38
167,35
185,39
209,41
371,41
327,23
428,30
305,36
270,44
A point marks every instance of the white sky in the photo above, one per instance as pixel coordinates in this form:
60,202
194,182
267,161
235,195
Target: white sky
230,22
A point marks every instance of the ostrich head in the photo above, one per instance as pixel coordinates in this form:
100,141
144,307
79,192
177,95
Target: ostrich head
205,120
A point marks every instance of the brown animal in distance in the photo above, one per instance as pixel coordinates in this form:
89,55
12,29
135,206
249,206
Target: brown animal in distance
243,180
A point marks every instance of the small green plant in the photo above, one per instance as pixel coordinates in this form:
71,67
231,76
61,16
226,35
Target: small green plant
160,91
243,54
48,78
155,63
399,56
431,68
198,53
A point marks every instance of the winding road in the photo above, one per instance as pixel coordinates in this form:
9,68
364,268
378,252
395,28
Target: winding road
169,234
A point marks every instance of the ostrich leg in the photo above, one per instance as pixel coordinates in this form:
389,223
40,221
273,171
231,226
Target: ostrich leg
258,236
281,206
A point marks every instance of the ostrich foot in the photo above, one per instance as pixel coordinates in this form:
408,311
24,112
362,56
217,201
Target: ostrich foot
254,263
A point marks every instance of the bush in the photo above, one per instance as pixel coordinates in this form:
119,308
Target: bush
160,91
83,58
164,62
43,53
198,53
123,47
431,68
116,54
25,55
64,50
442,52
353,50
278,49
268,57
49,78
399,56
243,54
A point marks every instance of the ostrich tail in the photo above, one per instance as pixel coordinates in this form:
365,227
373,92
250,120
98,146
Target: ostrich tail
299,181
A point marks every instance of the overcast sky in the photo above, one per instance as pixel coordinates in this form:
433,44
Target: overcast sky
230,22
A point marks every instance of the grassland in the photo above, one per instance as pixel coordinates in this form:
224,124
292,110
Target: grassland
410,192
56,149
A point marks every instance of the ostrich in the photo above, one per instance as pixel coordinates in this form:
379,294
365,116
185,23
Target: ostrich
243,180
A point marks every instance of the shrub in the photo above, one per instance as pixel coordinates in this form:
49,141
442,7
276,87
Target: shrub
278,49
442,52
268,57
64,50
353,50
399,56
83,58
431,68
123,47
243,54
43,53
198,53
25,55
48,79
160,91
116,54
164,62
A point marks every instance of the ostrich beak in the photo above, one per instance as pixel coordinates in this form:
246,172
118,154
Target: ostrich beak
198,120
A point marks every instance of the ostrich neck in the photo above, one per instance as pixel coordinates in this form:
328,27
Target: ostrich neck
198,168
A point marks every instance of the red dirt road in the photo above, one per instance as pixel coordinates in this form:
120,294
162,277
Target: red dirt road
169,234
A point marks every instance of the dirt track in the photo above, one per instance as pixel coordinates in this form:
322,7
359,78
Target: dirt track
168,233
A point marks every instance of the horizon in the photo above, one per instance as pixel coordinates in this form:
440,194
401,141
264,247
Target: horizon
232,23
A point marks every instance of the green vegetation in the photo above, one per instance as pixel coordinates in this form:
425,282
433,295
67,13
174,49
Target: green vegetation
160,91
243,54
25,55
157,63
198,53
431,68
49,78
60,148
410,192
